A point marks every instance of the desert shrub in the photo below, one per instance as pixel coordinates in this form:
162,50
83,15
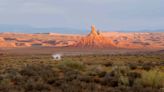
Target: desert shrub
38,86
120,70
133,66
34,71
118,76
37,78
9,79
96,70
73,65
124,80
133,76
108,64
110,80
140,88
147,66
86,79
121,73
71,75
153,78
102,74
9,76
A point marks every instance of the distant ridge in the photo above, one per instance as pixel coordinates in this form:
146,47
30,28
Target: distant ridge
62,30
145,30
31,29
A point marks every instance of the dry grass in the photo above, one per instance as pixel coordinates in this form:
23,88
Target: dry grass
90,73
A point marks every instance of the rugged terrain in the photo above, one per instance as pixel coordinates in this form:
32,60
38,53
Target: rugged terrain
98,62
130,40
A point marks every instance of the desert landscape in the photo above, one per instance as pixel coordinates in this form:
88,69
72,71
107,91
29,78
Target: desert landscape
97,62
94,42
81,46
134,40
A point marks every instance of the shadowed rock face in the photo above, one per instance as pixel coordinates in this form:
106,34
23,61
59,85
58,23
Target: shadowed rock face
94,40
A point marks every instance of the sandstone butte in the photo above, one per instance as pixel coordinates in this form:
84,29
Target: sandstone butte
94,40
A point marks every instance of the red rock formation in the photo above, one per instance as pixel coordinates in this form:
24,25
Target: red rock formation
94,40
3,43
130,40
1,39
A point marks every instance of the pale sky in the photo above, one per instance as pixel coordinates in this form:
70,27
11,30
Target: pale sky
80,14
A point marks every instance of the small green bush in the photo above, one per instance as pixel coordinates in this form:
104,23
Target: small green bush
153,78
73,65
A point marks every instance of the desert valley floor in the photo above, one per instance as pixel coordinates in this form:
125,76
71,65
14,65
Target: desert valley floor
75,51
81,70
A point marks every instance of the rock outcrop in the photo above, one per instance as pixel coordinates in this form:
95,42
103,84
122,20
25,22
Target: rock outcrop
3,43
94,40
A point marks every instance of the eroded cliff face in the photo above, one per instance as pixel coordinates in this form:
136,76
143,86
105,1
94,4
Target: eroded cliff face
94,40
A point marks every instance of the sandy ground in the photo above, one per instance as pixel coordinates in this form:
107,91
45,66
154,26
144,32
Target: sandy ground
74,51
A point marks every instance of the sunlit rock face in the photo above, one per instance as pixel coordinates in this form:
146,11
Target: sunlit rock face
137,40
1,39
3,43
94,40
12,40
93,31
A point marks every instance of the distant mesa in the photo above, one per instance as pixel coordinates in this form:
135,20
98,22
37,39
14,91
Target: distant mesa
94,40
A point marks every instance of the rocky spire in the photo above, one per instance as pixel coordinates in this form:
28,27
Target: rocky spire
94,40
93,31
